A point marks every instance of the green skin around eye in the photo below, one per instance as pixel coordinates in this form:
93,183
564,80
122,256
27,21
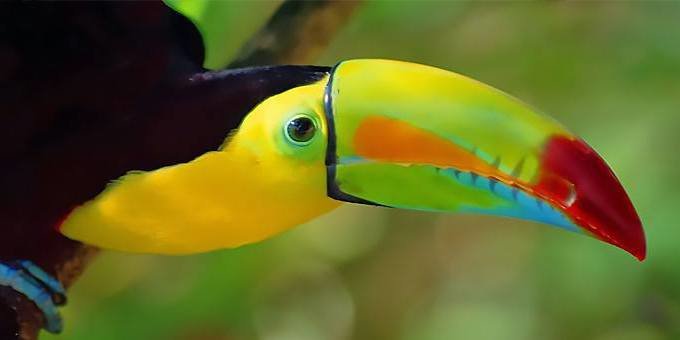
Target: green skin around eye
310,150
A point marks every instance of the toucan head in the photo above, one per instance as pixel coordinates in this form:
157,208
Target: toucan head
408,136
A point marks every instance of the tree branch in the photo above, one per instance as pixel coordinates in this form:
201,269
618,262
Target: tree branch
19,318
296,34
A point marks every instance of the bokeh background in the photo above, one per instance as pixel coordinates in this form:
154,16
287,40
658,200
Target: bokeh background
609,70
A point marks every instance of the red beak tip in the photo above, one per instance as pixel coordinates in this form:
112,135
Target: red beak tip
601,205
640,251
630,239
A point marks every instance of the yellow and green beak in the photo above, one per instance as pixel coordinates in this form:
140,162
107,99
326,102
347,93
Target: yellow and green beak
410,136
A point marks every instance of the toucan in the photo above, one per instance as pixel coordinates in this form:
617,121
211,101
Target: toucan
201,173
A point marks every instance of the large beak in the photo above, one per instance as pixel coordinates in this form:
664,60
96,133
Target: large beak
416,137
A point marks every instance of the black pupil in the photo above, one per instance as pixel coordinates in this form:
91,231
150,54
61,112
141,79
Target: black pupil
301,129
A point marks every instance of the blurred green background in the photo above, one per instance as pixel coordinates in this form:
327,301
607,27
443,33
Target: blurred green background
608,70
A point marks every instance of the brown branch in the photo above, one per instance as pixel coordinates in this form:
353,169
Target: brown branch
20,319
296,34
28,319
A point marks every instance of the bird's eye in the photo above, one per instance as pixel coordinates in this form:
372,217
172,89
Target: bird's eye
300,130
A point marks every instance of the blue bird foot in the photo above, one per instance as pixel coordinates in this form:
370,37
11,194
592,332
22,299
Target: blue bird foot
45,291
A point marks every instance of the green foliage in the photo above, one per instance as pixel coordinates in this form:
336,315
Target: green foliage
224,25
608,70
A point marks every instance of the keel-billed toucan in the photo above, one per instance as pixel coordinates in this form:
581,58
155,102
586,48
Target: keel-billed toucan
378,132
221,159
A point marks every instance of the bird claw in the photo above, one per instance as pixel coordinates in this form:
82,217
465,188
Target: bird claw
38,286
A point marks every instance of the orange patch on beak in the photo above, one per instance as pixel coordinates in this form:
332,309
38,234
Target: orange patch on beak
391,140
